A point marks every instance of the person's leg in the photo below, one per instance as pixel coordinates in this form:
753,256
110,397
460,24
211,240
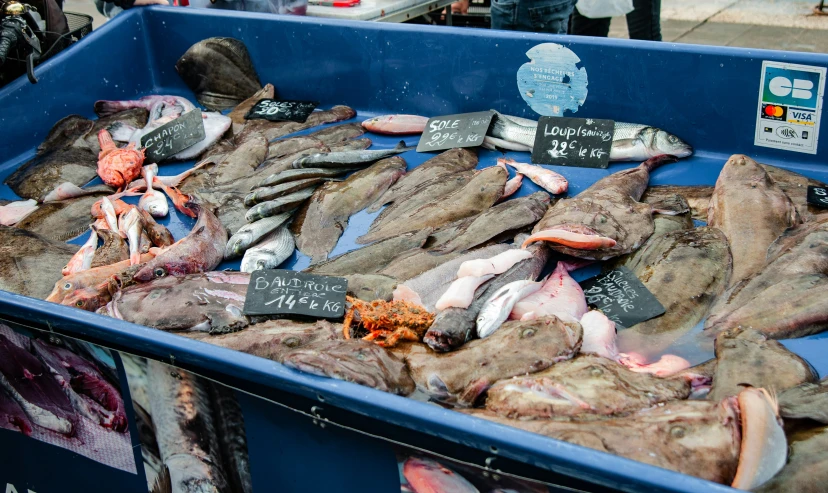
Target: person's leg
644,22
584,26
504,14
544,16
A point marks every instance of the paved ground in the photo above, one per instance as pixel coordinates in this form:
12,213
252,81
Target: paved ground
773,24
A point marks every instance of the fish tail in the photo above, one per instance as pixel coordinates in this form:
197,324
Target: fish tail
655,162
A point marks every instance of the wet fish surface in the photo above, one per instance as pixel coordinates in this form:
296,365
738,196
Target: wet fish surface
370,259
30,264
41,174
808,400
61,220
807,468
274,249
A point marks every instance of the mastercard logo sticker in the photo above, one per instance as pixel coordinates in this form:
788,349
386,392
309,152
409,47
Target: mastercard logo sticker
776,111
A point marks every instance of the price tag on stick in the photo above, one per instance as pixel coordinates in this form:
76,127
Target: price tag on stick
622,297
280,111
818,196
276,292
171,138
452,131
582,142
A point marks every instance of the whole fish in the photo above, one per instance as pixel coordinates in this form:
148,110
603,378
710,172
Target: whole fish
30,264
349,159
338,133
461,292
560,296
201,250
110,214
805,401
454,326
36,178
265,194
630,141
219,71
152,201
480,193
784,299
89,284
282,149
582,387
461,377
290,175
446,163
370,258
113,250
62,220
323,219
69,191
274,249
547,179
795,187
605,220
699,261
173,180
498,306
209,302
772,366
250,234
512,186
427,476
495,144
353,360
129,224
807,464
82,259
241,162
751,211
158,234
176,105
185,429
274,130
66,132
396,124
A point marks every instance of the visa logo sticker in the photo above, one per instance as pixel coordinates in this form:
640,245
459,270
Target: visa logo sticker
790,106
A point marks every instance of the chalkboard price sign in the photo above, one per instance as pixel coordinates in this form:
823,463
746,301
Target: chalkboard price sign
281,111
622,297
582,142
275,292
818,196
171,138
452,131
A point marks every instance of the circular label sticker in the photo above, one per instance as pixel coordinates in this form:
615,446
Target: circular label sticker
551,82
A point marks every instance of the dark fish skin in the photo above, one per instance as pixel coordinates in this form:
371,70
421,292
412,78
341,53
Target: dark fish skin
351,145
453,327
185,428
292,145
370,287
232,437
211,302
323,219
610,209
461,377
807,467
274,130
480,193
41,174
606,387
239,112
785,299
795,187
239,163
746,357
290,175
339,133
751,211
114,249
277,206
273,339
805,401
133,117
353,360
219,71
699,438
349,158
265,194
685,270
697,196
158,234
64,133
370,259
446,163
61,220
30,264
506,216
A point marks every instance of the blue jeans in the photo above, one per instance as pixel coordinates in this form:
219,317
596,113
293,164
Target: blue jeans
542,16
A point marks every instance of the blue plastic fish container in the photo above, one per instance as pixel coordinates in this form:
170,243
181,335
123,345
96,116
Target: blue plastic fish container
340,438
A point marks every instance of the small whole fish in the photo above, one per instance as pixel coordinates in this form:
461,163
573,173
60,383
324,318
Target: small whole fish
159,235
82,260
545,178
512,186
153,201
113,250
461,292
69,190
131,225
396,124
282,204
274,249
108,209
249,234
269,193
349,159
498,306
299,174
429,476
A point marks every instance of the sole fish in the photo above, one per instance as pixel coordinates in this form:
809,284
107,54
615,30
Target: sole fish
370,259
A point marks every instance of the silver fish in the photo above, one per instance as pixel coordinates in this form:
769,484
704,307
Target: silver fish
277,206
249,234
497,308
349,159
274,249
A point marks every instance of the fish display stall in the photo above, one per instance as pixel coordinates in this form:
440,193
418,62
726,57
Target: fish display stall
270,246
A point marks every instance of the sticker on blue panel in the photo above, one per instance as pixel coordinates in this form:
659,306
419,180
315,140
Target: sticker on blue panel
552,82
790,106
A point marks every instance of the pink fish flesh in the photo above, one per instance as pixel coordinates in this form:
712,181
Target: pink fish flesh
560,296
461,292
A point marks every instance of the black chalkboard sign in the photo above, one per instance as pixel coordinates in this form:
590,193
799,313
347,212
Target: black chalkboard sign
171,138
451,131
275,291
818,196
281,111
622,297
582,142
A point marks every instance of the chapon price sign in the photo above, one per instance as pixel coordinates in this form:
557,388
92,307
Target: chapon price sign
171,138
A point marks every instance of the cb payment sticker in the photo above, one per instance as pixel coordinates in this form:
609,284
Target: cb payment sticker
790,106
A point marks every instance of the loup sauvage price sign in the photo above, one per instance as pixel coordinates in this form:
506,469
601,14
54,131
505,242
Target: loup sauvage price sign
451,131
275,291
171,138
622,297
278,111
582,142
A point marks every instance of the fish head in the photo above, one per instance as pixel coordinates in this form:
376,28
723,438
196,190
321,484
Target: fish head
764,449
741,168
667,143
429,475
238,243
91,298
156,204
253,262
149,271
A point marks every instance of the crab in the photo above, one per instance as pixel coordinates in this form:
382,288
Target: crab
388,321
118,166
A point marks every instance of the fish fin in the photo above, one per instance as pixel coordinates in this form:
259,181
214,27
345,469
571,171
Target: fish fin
403,147
121,131
473,391
656,161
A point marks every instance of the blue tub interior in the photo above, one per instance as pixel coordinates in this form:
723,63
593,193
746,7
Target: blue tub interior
705,95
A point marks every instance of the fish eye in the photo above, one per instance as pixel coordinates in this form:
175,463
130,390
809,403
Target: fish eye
677,431
79,303
672,138
68,285
291,342
595,371
360,356
160,272
527,333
